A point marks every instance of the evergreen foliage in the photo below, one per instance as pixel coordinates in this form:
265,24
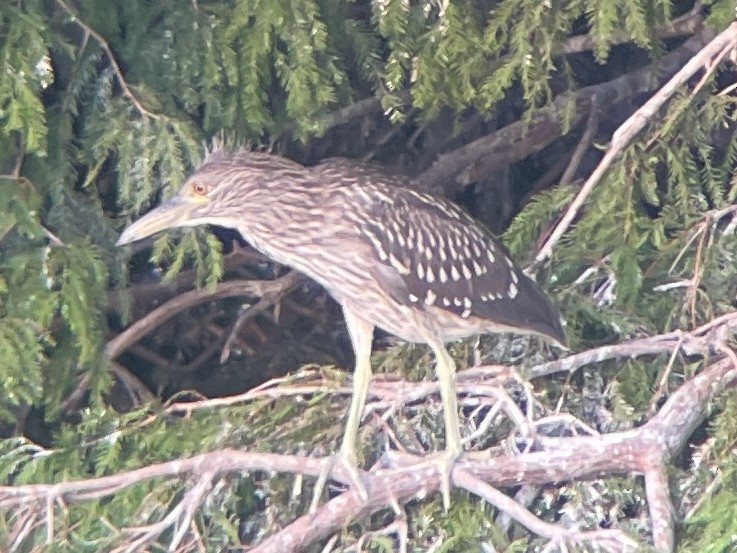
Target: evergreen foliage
106,107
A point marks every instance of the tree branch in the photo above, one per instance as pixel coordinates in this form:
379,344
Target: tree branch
229,289
704,59
401,477
111,57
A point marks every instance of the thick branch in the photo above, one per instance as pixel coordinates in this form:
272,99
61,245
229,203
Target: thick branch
523,138
684,25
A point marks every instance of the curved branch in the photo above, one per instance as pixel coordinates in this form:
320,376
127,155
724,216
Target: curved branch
229,289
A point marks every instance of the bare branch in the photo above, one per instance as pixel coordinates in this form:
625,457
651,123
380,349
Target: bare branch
583,145
232,288
556,459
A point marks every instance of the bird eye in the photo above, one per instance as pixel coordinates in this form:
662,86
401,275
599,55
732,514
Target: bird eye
199,188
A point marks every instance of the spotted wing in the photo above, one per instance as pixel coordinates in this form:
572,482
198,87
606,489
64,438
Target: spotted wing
441,257
430,253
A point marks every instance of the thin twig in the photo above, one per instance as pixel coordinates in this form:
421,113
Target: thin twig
267,299
592,126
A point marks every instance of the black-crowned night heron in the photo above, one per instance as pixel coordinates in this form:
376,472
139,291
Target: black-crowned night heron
411,264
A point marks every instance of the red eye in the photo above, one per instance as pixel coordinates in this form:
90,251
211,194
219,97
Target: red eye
199,189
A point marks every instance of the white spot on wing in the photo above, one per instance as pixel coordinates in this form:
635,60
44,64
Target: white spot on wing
512,290
443,275
398,265
466,272
413,298
430,298
454,273
490,255
430,276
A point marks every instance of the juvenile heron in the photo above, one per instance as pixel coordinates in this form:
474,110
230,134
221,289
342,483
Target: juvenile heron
412,264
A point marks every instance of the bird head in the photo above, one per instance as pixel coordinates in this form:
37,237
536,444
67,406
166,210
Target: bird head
226,190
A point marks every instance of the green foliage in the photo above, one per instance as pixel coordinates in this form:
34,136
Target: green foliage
528,224
26,70
721,13
202,249
713,527
19,348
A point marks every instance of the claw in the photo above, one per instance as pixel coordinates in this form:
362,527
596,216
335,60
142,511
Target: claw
445,460
346,466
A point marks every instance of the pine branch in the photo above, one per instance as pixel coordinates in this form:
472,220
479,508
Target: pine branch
518,140
706,59
127,92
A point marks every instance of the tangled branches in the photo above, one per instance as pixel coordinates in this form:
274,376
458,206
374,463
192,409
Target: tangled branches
534,456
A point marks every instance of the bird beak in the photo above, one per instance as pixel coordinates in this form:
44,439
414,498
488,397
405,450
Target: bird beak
174,213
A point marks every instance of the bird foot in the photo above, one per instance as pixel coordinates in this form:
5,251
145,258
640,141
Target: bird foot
445,461
344,468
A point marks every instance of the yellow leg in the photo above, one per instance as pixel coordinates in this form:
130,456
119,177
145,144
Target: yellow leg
446,371
361,333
